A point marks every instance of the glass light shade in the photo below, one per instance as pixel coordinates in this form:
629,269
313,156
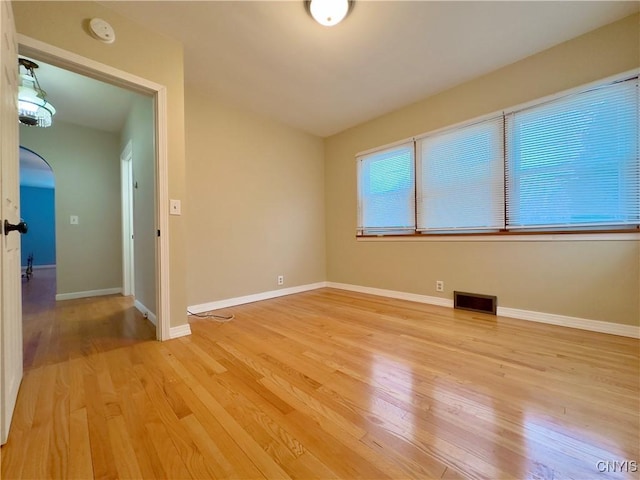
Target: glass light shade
33,109
329,12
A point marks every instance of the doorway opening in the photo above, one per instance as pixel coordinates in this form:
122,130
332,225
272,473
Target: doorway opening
151,191
58,326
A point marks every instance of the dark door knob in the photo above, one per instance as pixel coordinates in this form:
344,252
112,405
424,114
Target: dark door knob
20,227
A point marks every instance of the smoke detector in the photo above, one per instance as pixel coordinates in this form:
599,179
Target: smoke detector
101,30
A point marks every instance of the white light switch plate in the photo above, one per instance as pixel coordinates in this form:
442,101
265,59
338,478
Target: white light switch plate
174,207
73,220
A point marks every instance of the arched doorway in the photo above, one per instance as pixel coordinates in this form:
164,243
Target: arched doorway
37,206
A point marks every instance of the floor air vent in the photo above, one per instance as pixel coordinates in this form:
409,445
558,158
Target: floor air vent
475,302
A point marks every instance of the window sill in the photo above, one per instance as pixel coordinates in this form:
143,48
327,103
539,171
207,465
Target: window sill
618,235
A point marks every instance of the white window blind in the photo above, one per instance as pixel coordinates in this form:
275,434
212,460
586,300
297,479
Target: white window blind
574,162
461,178
386,191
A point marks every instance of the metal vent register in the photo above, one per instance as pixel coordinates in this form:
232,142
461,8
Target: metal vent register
475,302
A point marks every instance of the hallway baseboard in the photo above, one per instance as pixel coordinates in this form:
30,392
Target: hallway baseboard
88,293
146,312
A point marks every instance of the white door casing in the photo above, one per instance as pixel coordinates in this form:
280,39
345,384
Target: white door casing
10,289
126,189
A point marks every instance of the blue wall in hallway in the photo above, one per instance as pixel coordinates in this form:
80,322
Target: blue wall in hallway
37,208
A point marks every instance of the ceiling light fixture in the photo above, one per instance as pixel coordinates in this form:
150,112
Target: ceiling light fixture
329,12
33,108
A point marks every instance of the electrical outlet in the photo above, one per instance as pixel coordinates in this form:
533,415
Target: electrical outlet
439,286
280,279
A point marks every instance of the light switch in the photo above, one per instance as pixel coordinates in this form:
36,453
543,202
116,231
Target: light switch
174,207
74,220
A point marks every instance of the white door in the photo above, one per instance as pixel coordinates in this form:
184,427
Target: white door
10,289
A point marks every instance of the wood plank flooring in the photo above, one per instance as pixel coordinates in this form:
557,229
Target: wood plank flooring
56,331
334,384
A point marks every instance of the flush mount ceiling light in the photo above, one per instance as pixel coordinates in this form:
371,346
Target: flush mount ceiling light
329,12
33,108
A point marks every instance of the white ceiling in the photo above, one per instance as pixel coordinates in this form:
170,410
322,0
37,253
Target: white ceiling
82,100
272,58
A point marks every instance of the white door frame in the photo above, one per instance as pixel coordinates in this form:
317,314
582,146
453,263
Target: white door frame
126,190
85,66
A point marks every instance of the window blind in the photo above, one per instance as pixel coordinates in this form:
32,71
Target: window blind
574,162
461,178
386,191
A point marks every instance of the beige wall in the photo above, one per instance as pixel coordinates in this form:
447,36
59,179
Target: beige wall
139,129
587,279
86,166
256,203
139,52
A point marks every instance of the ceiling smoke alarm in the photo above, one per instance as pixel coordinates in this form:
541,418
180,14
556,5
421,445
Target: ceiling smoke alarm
101,30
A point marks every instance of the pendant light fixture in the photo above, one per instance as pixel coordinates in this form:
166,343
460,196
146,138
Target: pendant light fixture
329,12
33,108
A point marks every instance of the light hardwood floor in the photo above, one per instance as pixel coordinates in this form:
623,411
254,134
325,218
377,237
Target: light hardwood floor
332,384
56,331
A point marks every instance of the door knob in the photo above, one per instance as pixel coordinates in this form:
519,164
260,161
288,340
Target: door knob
20,227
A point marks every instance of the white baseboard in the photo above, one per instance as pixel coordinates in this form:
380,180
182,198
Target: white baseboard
412,297
179,331
88,293
256,297
146,312
549,318
572,322
541,317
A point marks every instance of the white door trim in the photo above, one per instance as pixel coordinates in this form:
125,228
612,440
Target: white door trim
126,191
76,63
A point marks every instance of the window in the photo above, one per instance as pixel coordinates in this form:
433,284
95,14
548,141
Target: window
461,179
572,163
386,191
